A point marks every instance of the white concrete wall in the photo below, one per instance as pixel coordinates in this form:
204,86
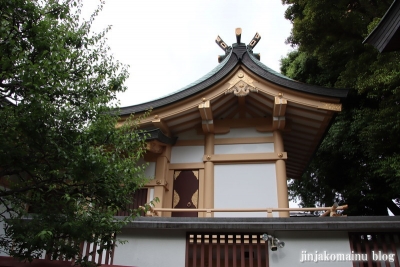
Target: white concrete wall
245,186
300,243
187,154
150,248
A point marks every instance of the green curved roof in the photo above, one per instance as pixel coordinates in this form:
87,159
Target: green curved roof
239,54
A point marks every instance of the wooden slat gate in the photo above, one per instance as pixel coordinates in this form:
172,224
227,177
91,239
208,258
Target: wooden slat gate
375,249
89,250
226,250
12,262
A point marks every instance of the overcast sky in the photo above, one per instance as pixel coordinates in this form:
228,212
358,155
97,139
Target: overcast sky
169,44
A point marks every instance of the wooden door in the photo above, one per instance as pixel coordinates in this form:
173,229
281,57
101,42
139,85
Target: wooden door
186,192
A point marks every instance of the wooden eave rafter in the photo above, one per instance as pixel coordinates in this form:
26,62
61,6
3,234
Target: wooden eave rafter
299,128
307,114
253,112
230,112
262,99
307,122
183,127
188,117
222,111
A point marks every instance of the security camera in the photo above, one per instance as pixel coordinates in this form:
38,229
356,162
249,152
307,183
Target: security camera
265,237
279,243
273,242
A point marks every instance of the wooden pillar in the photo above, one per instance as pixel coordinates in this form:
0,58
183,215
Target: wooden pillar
202,195
162,167
209,172
281,178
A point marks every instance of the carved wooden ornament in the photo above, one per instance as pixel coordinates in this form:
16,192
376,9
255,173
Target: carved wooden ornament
241,85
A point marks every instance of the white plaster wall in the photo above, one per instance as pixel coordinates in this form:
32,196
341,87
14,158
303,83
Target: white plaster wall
190,135
245,186
150,171
187,154
151,193
242,133
244,148
310,241
150,248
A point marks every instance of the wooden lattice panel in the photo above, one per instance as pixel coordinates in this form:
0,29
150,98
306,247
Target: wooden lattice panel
226,249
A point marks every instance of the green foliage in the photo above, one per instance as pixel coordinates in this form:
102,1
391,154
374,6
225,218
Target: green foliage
306,68
61,155
358,161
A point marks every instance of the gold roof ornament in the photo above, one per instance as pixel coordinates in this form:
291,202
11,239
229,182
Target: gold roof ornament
241,85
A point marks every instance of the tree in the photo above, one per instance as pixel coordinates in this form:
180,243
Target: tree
358,161
61,157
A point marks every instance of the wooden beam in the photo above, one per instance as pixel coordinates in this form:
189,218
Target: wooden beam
278,113
330,106
221,44
279,107
205,110
207,116
238,32
244,140
155,147
254,157
278,123
208,126
186,166
159,123
254,41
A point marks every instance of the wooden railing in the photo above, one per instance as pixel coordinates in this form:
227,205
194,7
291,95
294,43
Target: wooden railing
331,211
